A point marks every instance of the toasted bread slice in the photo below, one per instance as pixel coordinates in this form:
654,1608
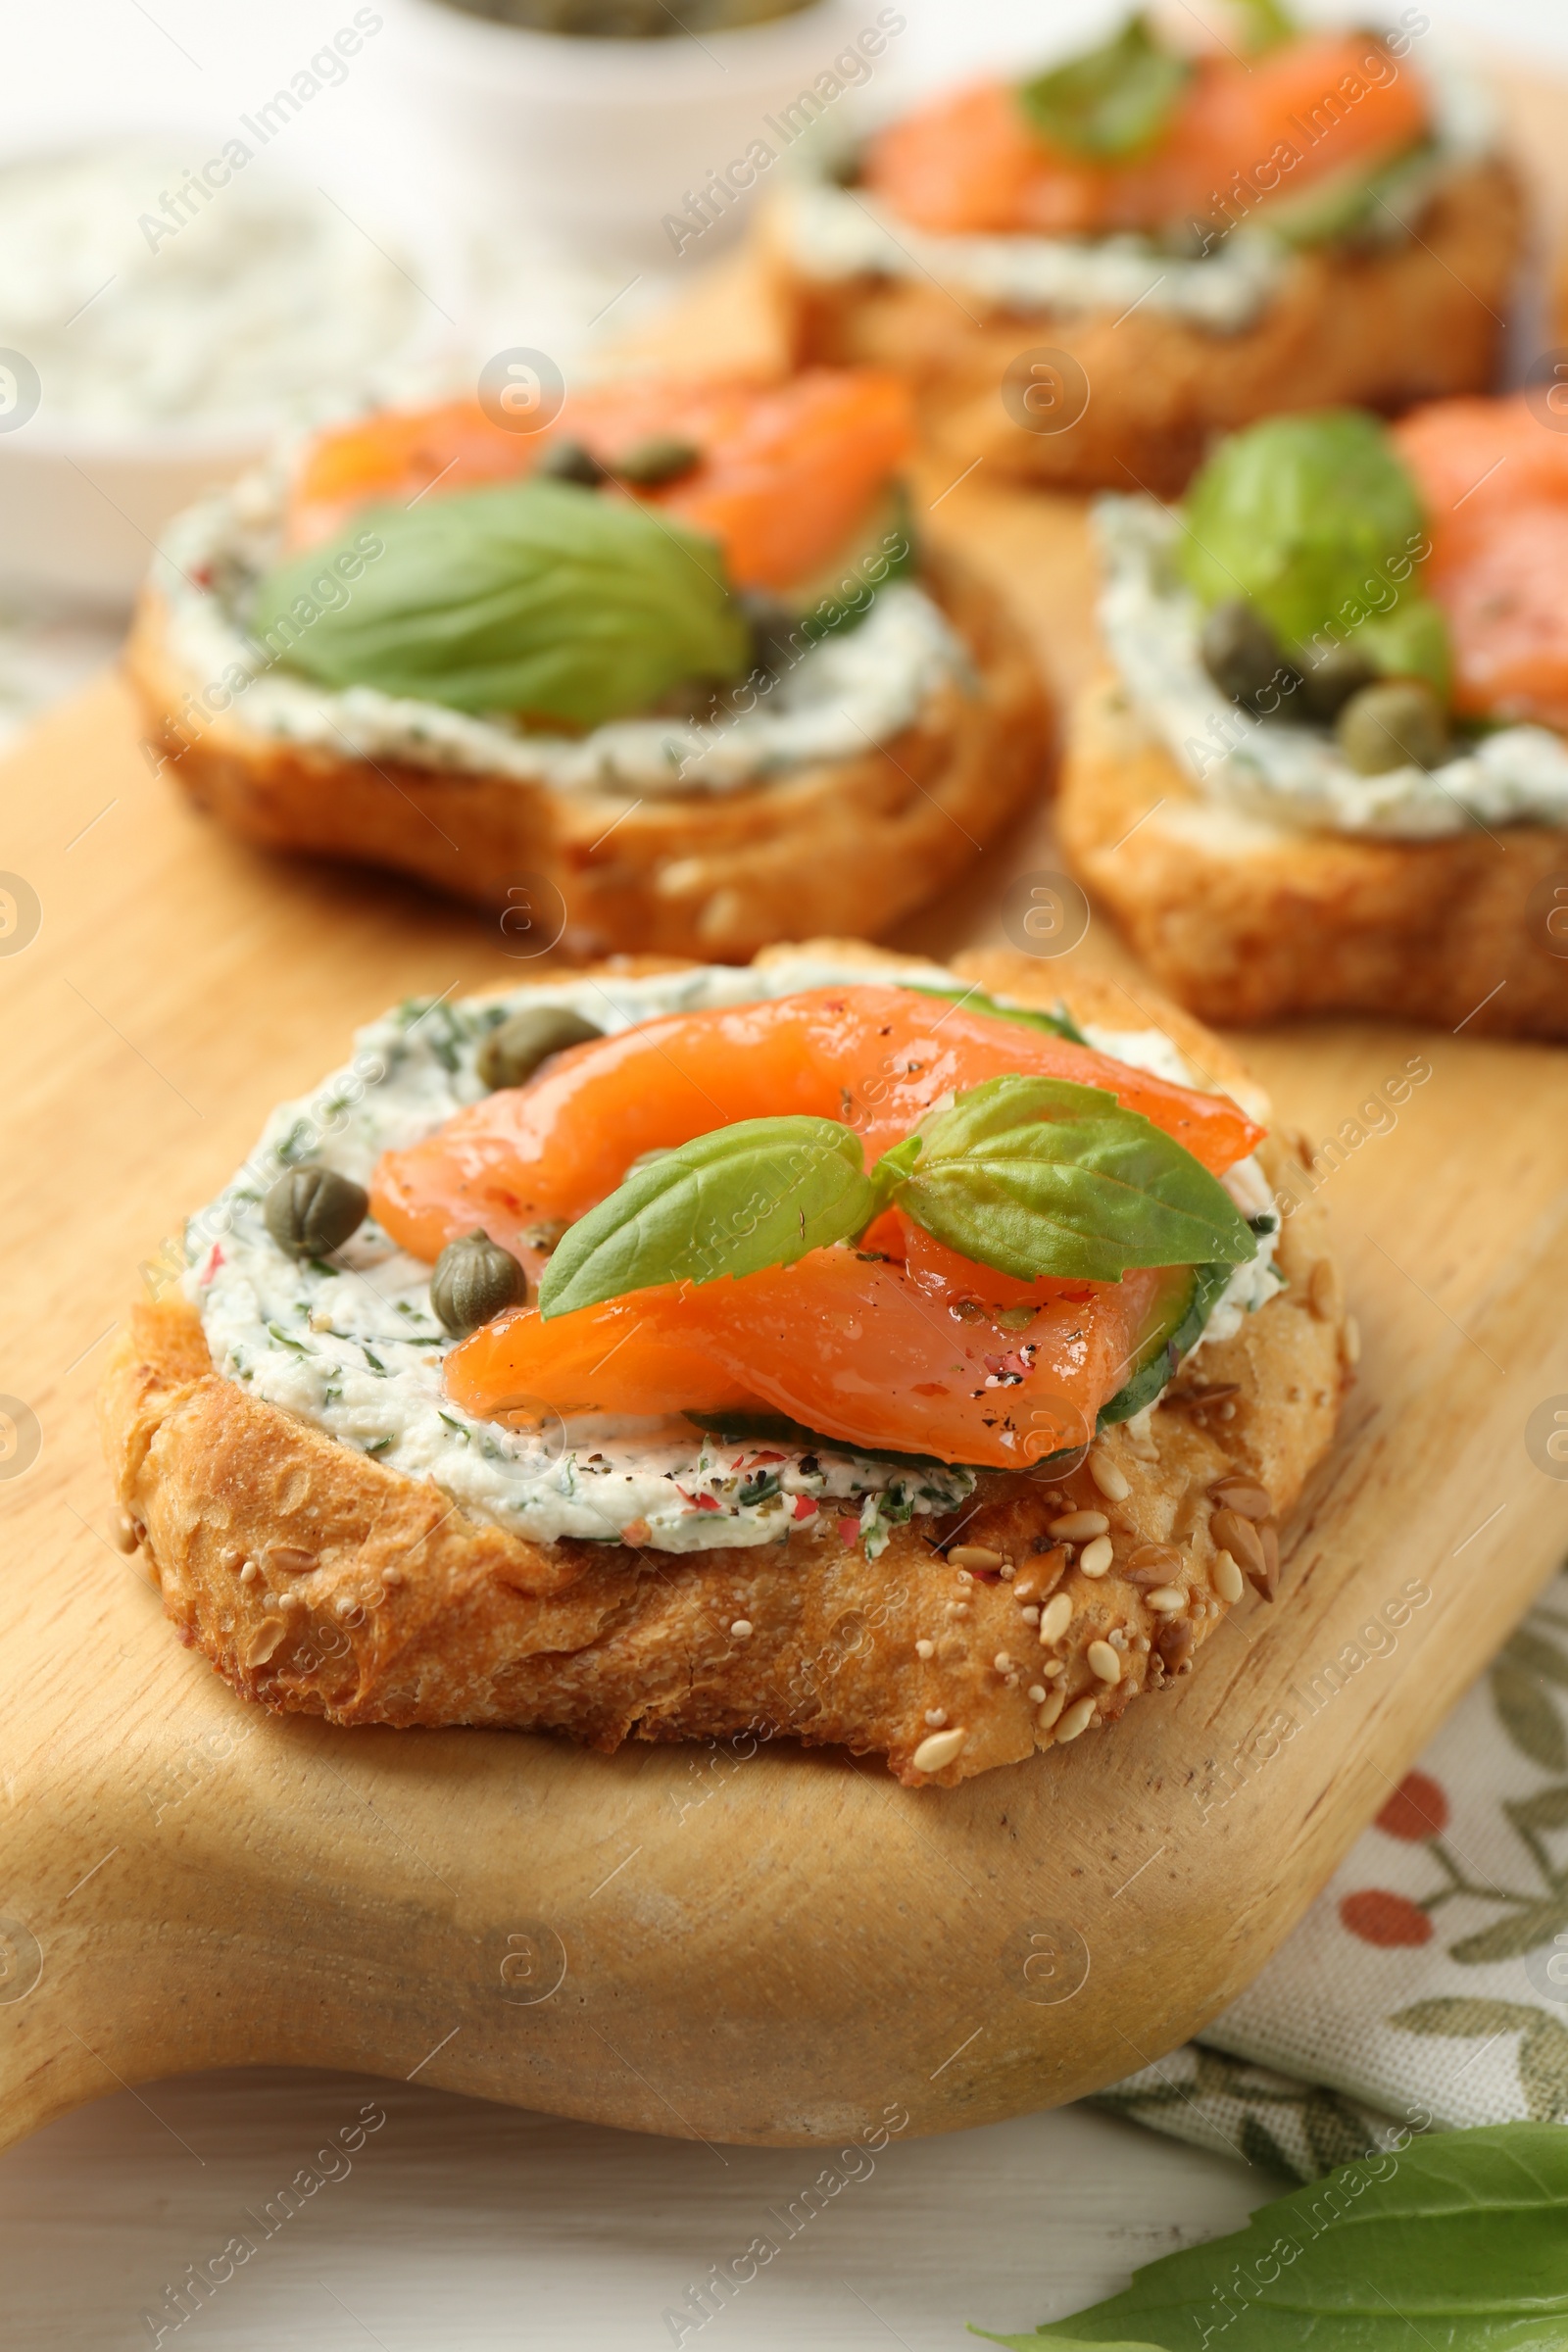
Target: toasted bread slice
321,1581
1375,326
846,844
1245,920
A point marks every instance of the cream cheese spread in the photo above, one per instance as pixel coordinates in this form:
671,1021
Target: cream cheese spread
140,306
351,1345
857,688
1279,769
832,232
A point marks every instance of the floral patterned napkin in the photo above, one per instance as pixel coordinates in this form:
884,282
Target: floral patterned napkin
1426,1987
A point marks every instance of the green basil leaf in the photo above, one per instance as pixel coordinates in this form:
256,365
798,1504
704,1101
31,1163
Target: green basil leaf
1313,518
1265,25
1110,103
1411,642
892,1170
1060,1024
759,1194
1456,2241
538,596
1039,1176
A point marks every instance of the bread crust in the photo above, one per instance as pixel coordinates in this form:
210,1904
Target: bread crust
1376,328
1245,922
320,1581
844,845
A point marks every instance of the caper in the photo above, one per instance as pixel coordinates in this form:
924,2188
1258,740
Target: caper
776,640
515,1051
311,1211
1327,685
474,1281
1397,723
1242,654
661,458
572,461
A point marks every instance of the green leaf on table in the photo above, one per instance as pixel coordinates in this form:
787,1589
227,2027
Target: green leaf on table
540,598
1456,2241
1039,1176
1110,103
1529,1717
759,1194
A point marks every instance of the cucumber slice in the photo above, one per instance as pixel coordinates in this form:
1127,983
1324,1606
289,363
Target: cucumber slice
882,548
1175,1324
776,1429
1060,1024
1343,203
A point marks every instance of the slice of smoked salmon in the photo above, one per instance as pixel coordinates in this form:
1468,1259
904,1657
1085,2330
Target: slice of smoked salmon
786,471
394,457
874,1056
785,487
858,1350
1242,132
1495,484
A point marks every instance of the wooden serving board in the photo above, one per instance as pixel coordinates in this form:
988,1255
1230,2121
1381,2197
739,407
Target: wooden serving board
774,1947
779,1946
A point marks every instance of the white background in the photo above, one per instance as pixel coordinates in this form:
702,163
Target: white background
466,2226
92,61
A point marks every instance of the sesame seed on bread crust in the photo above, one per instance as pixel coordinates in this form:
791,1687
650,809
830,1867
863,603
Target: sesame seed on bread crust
1245,920
320,1581
1378,326
849,843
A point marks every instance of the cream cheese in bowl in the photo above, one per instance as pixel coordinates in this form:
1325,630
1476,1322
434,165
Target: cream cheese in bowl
166,311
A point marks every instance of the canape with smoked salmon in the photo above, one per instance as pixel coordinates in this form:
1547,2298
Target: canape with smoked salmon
671,672
1089,272
840,1349
1326,769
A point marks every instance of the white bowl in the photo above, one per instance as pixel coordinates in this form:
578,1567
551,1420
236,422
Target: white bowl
84,495
82,510
598,142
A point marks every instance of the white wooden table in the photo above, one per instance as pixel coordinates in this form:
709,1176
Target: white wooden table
475,2227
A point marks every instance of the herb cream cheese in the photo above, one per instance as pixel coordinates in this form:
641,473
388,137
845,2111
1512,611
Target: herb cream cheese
142,310
1277,769
350,1343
